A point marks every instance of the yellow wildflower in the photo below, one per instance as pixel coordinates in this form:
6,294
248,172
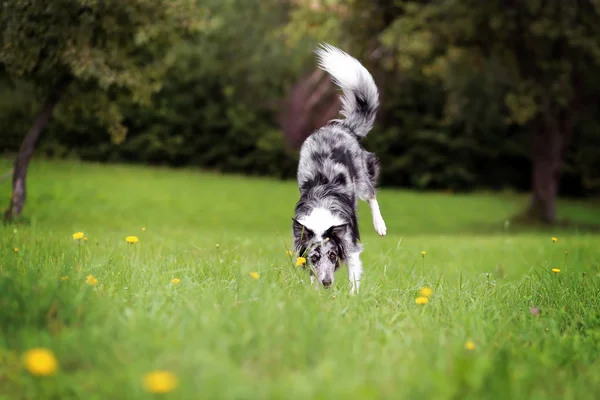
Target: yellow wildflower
85,239
300,261
160,382
421,300
175,281
78,235
554,240
91,280
423,253
16,249
426,292
555,270
217,246
470,345
143,229
132,239
64,278
40,362
254,275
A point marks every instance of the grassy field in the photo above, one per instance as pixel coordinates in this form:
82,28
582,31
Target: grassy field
531,333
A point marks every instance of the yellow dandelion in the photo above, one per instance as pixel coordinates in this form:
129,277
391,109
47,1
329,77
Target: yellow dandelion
16,249
175,281
64,278
91,280
470,345
300,261
132,239
423,253
555,270
40,362
426,292
78,235
160,382
254,275
421,300
554,240
143,229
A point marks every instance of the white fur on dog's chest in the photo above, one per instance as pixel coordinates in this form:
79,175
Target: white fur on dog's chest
319,220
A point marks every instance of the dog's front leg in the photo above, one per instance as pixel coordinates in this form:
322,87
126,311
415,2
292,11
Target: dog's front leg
378,221
355,271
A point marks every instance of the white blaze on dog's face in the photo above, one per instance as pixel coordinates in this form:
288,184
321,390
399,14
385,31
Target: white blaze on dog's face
320,239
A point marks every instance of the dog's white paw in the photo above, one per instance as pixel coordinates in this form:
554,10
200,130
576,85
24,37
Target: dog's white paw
379,225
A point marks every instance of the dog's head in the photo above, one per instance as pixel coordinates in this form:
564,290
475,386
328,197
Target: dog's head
323,252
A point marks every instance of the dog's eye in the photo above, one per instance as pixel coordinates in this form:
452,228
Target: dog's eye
332,256
314,259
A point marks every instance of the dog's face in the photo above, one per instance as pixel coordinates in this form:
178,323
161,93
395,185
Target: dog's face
322,252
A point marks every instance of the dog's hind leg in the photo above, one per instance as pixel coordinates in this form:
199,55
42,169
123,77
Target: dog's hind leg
355,271
373,169
378,221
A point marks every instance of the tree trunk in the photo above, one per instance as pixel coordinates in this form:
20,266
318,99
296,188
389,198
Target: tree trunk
550,138
17,200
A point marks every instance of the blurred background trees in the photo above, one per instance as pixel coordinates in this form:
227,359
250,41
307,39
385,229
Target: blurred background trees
475,95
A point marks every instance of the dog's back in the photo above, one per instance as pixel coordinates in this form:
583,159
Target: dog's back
332,159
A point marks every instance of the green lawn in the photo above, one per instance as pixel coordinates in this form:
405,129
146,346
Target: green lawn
225,335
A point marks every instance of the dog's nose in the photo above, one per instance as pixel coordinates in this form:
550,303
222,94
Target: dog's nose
326,282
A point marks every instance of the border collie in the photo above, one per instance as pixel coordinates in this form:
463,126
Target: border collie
334,171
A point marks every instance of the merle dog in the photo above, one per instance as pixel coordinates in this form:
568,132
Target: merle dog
335,171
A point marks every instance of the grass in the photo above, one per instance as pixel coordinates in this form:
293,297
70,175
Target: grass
225,335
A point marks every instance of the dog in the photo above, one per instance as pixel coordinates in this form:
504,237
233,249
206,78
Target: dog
334,171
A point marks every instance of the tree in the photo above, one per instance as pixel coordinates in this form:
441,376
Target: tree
314,99
531,63
87,53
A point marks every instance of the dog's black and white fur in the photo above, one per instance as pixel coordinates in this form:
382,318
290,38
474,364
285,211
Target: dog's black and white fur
335,171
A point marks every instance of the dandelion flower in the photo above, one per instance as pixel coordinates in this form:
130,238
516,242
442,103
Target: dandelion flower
300,261
423,253
91,280
254,275
132,239
40,362
554,240
555,270
16,249
426,292
175,281
143,229
64,278
160,382
421,300
85,239
470,345
78,235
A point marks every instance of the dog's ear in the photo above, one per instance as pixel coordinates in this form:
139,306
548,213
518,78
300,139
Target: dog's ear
336,231
301,233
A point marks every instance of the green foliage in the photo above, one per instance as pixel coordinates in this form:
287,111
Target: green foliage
228,336
103,46
457,98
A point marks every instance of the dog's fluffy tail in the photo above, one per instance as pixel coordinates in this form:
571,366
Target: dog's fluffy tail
360,100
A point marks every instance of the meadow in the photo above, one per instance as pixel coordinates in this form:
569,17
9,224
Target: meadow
209,295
